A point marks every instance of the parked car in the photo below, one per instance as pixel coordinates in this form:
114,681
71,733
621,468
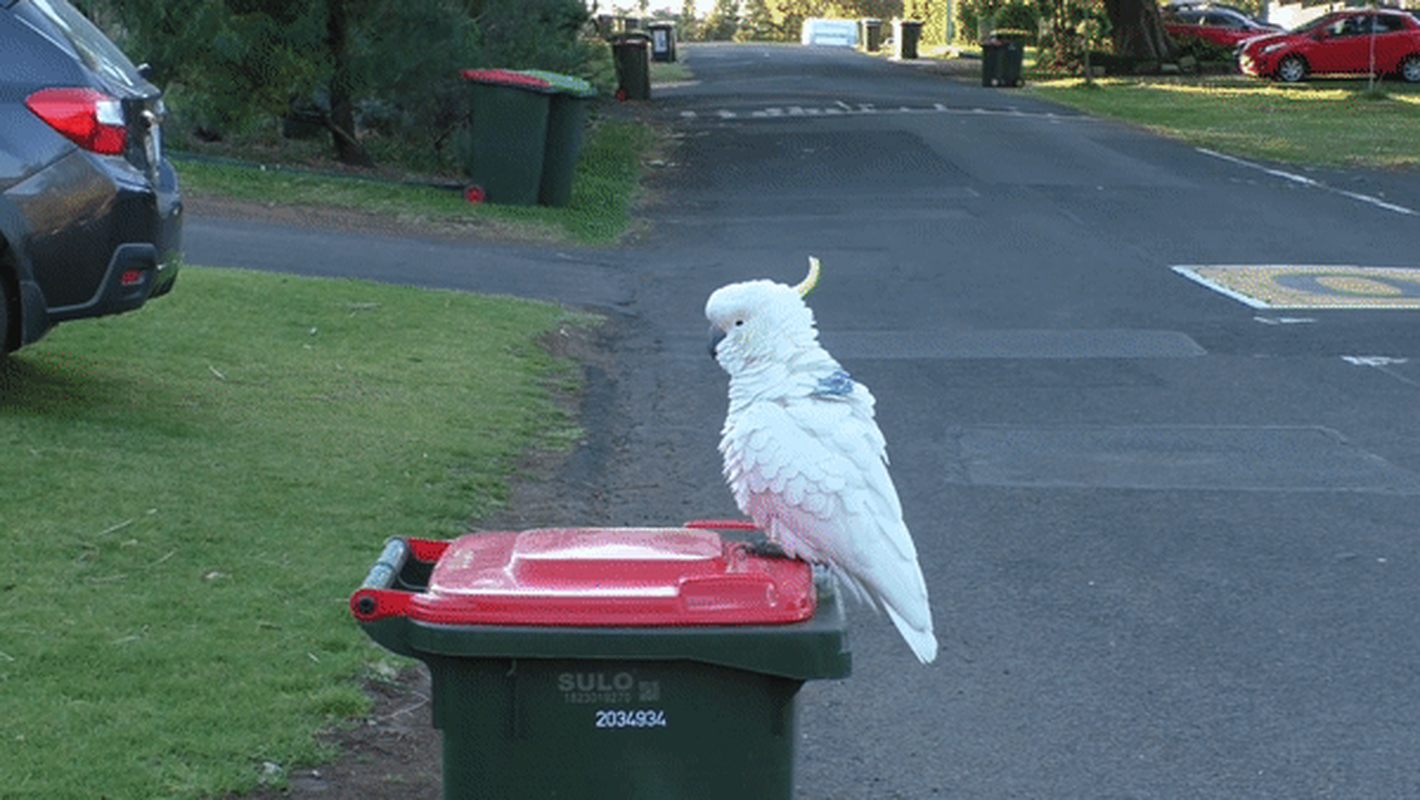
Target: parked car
90,213
1219,25
1357,41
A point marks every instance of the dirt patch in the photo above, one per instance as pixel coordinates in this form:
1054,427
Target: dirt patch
394,754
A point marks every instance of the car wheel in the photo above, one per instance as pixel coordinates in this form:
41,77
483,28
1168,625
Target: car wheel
1410,69
1292,69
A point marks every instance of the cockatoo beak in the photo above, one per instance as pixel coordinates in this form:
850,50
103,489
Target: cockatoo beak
716,336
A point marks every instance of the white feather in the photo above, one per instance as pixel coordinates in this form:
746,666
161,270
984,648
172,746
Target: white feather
805,459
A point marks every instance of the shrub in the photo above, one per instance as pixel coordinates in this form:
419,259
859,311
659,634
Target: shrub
236,68
976,19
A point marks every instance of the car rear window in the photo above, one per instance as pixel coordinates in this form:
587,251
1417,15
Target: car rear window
94,48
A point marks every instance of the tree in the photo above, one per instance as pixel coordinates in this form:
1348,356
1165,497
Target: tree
756,23
687,23
722,22
229,64
1091,32
1138,29
341,120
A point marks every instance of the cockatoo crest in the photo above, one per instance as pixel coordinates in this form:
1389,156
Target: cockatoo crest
803,456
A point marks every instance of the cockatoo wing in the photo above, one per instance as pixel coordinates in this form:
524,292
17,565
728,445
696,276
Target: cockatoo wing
812,473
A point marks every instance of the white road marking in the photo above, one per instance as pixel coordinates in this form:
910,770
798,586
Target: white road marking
1284,320
1373,361
1384,364
1313,184
841,108
1196,277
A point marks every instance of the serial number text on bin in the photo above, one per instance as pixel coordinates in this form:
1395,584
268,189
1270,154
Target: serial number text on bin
645,718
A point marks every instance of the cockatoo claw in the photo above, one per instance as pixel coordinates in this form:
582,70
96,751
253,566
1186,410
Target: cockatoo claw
767,549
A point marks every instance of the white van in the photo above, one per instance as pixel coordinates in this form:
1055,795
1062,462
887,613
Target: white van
830,32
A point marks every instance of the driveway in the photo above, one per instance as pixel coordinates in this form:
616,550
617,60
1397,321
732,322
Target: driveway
1168,536
1166,517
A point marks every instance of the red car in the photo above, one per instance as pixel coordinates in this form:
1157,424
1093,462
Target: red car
1353,42
1224,27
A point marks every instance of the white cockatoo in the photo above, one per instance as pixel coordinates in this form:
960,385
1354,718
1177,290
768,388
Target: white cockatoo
803,456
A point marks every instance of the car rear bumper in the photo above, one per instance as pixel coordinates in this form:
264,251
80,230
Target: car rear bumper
135,274
117,247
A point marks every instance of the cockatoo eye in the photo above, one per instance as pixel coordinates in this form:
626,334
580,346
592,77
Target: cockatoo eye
739,322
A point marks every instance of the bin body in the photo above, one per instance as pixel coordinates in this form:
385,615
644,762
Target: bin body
906,34
566,117
503,150
526,136
1001,63
663,41
872,35
633,68
700,707
579,728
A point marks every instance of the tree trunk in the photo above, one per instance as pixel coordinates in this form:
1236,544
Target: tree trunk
1139,29
342,106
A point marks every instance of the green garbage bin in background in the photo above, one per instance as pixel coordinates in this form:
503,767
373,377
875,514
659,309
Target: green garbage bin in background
663,40
1001,61
632,54
872,34
906,33
503,146
617,663
566,118
526,134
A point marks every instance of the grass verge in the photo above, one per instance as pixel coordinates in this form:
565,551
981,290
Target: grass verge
1339,123
603,193
192,492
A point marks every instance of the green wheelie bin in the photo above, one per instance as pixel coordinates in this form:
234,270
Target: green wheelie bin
906,34
566,117
1001,61
608,663
503,146
632,54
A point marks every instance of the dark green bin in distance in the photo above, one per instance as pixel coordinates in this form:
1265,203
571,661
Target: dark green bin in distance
525,136
632,54
552,698
1001,61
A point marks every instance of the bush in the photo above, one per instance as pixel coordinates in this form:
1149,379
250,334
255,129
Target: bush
1203,51
1070,31
236,68
976,19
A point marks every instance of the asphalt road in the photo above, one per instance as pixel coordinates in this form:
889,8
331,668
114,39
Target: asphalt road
1169,535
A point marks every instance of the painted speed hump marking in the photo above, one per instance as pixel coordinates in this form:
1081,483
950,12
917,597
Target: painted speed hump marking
1303,286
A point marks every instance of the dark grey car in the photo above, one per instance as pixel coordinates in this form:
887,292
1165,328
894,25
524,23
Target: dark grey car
90,214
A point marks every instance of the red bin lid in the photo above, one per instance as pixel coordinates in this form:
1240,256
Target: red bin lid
612,577
506,77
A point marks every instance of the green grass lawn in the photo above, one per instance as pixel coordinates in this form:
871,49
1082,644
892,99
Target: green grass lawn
1322,122
192,492
604,191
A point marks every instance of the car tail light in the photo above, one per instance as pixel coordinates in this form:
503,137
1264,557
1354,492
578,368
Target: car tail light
88,118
